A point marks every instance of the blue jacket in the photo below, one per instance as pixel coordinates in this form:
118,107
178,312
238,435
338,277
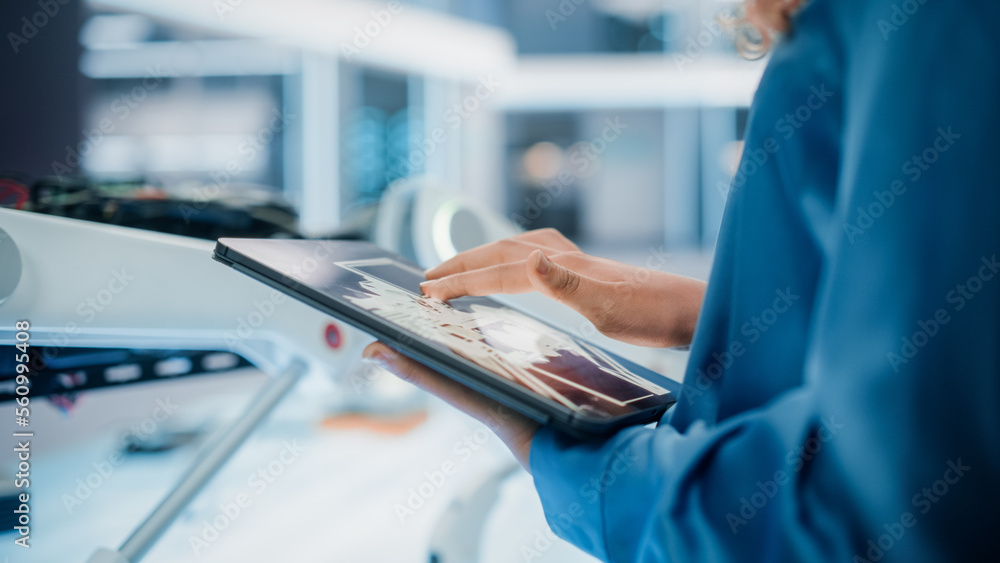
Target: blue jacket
842,400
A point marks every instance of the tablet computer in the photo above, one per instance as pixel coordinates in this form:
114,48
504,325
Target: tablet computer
545,373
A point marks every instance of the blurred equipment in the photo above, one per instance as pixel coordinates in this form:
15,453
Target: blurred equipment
430,224
425,222
136,289
13,193
254,213
458,534
61,374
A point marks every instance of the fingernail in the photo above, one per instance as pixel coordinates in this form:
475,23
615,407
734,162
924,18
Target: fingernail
542,264
380,359
377,352
424,286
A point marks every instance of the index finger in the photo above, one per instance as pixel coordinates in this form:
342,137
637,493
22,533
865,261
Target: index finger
490,254
501,278
549,237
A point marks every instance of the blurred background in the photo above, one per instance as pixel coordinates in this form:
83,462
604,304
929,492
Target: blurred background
618,122
323,104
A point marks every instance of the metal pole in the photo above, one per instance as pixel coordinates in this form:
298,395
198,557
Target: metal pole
208,463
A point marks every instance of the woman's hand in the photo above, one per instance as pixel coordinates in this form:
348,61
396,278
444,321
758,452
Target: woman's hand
627,303
514,429
636,305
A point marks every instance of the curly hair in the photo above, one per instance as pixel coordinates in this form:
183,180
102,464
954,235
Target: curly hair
759,21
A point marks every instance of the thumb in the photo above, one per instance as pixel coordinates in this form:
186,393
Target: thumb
584,294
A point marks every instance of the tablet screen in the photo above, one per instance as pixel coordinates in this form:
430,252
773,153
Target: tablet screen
504,341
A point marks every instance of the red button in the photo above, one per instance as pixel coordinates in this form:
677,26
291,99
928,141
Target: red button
333,337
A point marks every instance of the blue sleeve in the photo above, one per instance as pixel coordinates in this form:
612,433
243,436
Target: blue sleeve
890,448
